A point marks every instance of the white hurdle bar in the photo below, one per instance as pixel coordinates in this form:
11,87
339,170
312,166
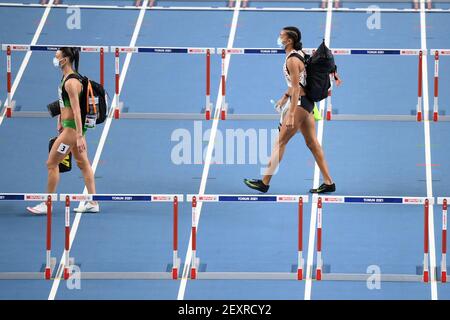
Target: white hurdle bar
195,264
174,198
320,275
50,262
444,203
346,52
162,50
9,48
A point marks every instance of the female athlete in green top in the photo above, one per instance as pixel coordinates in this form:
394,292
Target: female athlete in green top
71,138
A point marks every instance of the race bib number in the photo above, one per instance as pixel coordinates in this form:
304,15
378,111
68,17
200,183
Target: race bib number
63,148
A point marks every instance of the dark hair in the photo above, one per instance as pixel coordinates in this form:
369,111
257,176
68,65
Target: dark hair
73,53
295,35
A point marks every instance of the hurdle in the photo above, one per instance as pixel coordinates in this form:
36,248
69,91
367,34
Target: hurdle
10,104
159,50
371,200
113,275
340,52
437,53
195,273
444,202
50,261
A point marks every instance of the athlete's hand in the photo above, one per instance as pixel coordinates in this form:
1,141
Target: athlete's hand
290,120
81,145
337,79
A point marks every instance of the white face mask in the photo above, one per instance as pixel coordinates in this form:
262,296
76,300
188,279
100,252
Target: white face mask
56,62
280,43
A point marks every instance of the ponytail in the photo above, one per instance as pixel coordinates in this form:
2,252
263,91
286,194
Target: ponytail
76,58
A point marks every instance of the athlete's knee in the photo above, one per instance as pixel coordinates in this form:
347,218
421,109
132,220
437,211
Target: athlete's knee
312,144
82,164
51,165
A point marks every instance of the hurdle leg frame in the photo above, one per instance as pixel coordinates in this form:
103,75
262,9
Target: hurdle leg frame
419,95
176,259
68,261
208,105
436,86
50,262
195,263
444,242
320,275
224,106
170,274
296,272
300,261
117,107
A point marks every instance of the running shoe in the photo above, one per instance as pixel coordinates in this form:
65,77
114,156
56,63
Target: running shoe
257,185
40,209
88,208
324,188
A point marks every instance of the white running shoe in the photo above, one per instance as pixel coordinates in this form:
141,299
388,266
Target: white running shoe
88,208
40,209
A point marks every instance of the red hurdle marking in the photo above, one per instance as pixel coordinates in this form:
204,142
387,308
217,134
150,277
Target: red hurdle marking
329,106
323,4
444,242
48,270
102,66
416,4
436,85
117,63
429,4
175,239
208,85
67,240
244,3
8,81
419,101
194,238
223,109
319,240
426,239
300,240
231,3
336,4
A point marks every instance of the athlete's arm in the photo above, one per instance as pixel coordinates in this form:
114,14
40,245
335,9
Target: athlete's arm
73,88
295,66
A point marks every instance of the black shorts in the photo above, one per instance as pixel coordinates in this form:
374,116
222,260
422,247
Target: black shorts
306,103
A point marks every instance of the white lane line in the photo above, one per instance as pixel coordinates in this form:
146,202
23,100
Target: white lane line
25,60
209,151
426,127
313,219
99,150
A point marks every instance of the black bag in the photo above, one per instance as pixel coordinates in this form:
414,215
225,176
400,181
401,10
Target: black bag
94,101
318,69
54,109
66,164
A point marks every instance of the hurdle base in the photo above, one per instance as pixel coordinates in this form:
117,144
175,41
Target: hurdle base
22,275
41,275
9,110
224,111
370,277
175,269
118,110
123,275
246,276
